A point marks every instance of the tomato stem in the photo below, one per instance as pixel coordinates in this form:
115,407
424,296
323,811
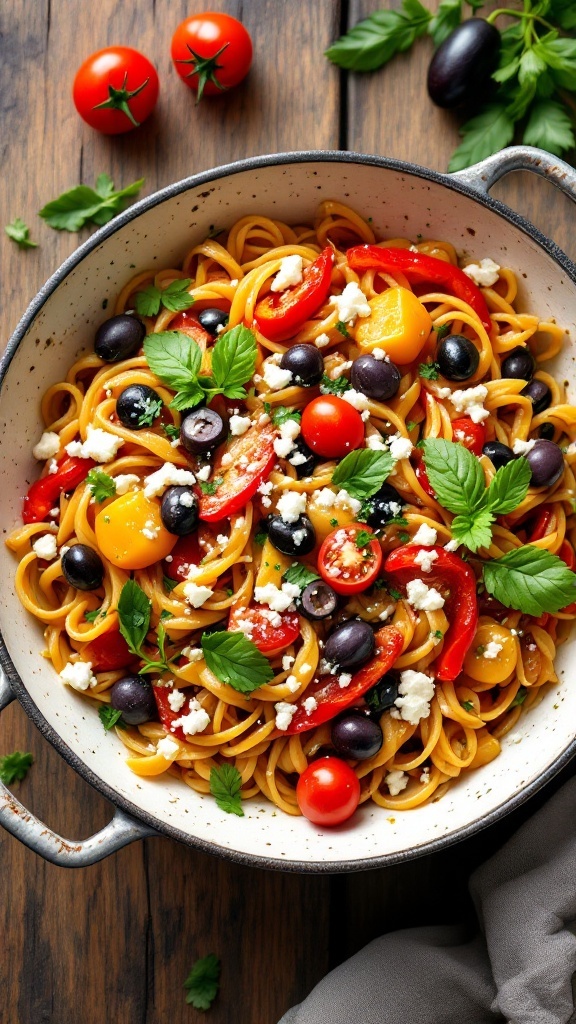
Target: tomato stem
205,68
118,99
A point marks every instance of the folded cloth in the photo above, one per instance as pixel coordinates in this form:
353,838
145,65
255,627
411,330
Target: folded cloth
519,969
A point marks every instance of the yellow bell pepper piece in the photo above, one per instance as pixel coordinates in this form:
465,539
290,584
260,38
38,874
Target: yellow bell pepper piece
130,532
398,323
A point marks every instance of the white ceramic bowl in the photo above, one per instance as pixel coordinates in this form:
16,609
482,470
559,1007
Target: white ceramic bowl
60,324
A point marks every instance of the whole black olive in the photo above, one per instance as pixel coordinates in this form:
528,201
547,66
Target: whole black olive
375,378
383,694
350,645
302,458
82,567
317,601
386,505
305,363
179,510
540,395
212,319
463,63
519,363
297,538
499,454
355,736
457,357
138,406
546,462
202,429
119,337
547,431
134,697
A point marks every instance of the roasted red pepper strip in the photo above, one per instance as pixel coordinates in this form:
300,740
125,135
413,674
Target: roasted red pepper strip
541,524
237,482
331,698
44,493
108,652
419,268
457,584
167,716
281,314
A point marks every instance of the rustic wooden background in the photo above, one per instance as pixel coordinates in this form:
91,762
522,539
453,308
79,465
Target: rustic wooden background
114,942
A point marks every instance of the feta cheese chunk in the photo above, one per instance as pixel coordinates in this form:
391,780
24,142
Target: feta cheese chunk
176,699
351,303
195,595
470,402
291,505
277,599
375,442
322,340
346,501
167,476
167,747
284,714
324,498
425,559
292,684
452,545
125,481
425,535
45,547
400,447
150,530
484,274
287,662
99,445
492,650
422,597
204,473
275,377
47,447
396,781
195,721
356,399
415,690
310,705
290,274
78,675
239,425
523,447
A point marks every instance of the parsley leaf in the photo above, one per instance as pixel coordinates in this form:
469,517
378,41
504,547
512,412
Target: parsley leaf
225,786
210,486
363,538
92,616
152,407
429,371
19,232
467,705
447,18
300,575
455,475
171,431
134,620
474,529
174,297
550,126
14,767
520,697
334,387
363,472
260,537
342,329
281,414
509,487
236,661
486,133
203,982
101,485
441,331
82,204
374,41
531,580
110,717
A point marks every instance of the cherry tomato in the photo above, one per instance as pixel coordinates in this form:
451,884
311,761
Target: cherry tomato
167,716
211,52
108,652
540,526
331,427
239,482
115,89
420,471
184,554
44,494
328,791
280,316
188,323
347,565
471,435
266,636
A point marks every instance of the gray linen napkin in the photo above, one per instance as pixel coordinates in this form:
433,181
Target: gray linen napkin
519,969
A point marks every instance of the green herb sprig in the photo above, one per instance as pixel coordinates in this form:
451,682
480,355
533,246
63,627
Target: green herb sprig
236,661
19,232
82,205
225,786
174,297
134,619
14,767
203,982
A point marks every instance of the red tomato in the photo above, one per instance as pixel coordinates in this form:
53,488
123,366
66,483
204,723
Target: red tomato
347,567
211,53
184,554
471,435
239,483
331,427
540,526
328,791
44,494
115,89
266,636
108,652
280,316
188,323
167,716
420,471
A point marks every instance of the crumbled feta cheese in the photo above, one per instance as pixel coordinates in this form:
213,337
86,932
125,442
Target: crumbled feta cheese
53,467
344,680
222,540
325,668
99,445
425,535
245,626
277,599
193,654
356,399
45,547
400,447
239,425
195,595
442,392
452,545
125,481
386,613
422,597
298,459
345,500
290,429
275,377
283,446
324,498
287,662
351,303
470,402
79,675
425,776
290,274
167,746
150,530
396,781
415,690
310,705
263,419
176,699
492,650
425,559
298,536
284,714
292,684
484,273
47,447
167,476
375,442
523,447
204,473
322,340
195,721
291,505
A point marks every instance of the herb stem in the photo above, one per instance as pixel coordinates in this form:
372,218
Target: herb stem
525,15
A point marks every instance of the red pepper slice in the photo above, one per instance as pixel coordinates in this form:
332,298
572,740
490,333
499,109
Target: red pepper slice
420,472
471,435
108,652
331,698
267,637
186,553
419,268
456,582
239,482
167,716
541,523
44,493
188,323
281,314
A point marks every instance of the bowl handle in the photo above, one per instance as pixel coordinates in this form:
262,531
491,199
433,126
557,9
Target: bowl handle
23,825
481,177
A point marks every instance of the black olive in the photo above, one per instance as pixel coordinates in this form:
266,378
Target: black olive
546,462
305,363
134,697
317,601
179,510
297,538
119,337
375,378
547,431
499,454
212,319
138,406
463,63
457,357
540,395
350,645
82,567
202,429
302,468
386,504
355,736
519,363
383,695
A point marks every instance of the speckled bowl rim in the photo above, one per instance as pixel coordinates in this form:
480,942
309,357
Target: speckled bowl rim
16,684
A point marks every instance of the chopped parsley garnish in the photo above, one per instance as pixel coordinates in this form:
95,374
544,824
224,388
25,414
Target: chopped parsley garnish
467,705
429,371
203,982
300,575
342,329
92,616
334,387
101,484
225,786
171,431
19,232
211,486
110,717
363,538
14,767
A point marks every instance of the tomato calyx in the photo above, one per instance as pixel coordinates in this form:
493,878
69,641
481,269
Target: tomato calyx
205,68
118,99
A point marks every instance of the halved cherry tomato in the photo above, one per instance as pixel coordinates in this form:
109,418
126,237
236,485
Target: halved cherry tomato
281,314
188,323
108,652
328,791
184,554
166,715
349,567
266,636
238,483
471,435
44,493
211,52
331,427
539,526
420,472
331,698
115,89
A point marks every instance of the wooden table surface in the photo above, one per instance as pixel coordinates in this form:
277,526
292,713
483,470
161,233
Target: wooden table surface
112,944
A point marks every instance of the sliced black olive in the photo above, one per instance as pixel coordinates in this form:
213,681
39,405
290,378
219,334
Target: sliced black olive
463,63
134,697
138,406
546,462
499,454
383,695
212,319
202,429
179,510
119,337
519,363
297,538
350,645
305,363
547,431
540,395
375,378
386,505
82,567
318,601
457,357
303,468
355,736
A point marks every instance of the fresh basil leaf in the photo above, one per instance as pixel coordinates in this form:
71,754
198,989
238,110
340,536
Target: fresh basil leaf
300,575
81,204
203,982
236,661
19,232
225,786
14,767
110,717
509,487
363,472
334,387
486,133
176,296
374,41
134,615
474,529
101,484
531,580
455,475
234,360
175,358
147,301
92,616
550,127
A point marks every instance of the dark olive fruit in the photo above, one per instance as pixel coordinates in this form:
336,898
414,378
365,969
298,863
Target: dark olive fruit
540,395
212,319
383,695
179,510
463,63
119,337
355,736
546,462
457,357
519,363
305,363
375,378
82,567
317,601
350,645
138,406
302,468
297,538
134,697
386,504
202,429
547,431
499,454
